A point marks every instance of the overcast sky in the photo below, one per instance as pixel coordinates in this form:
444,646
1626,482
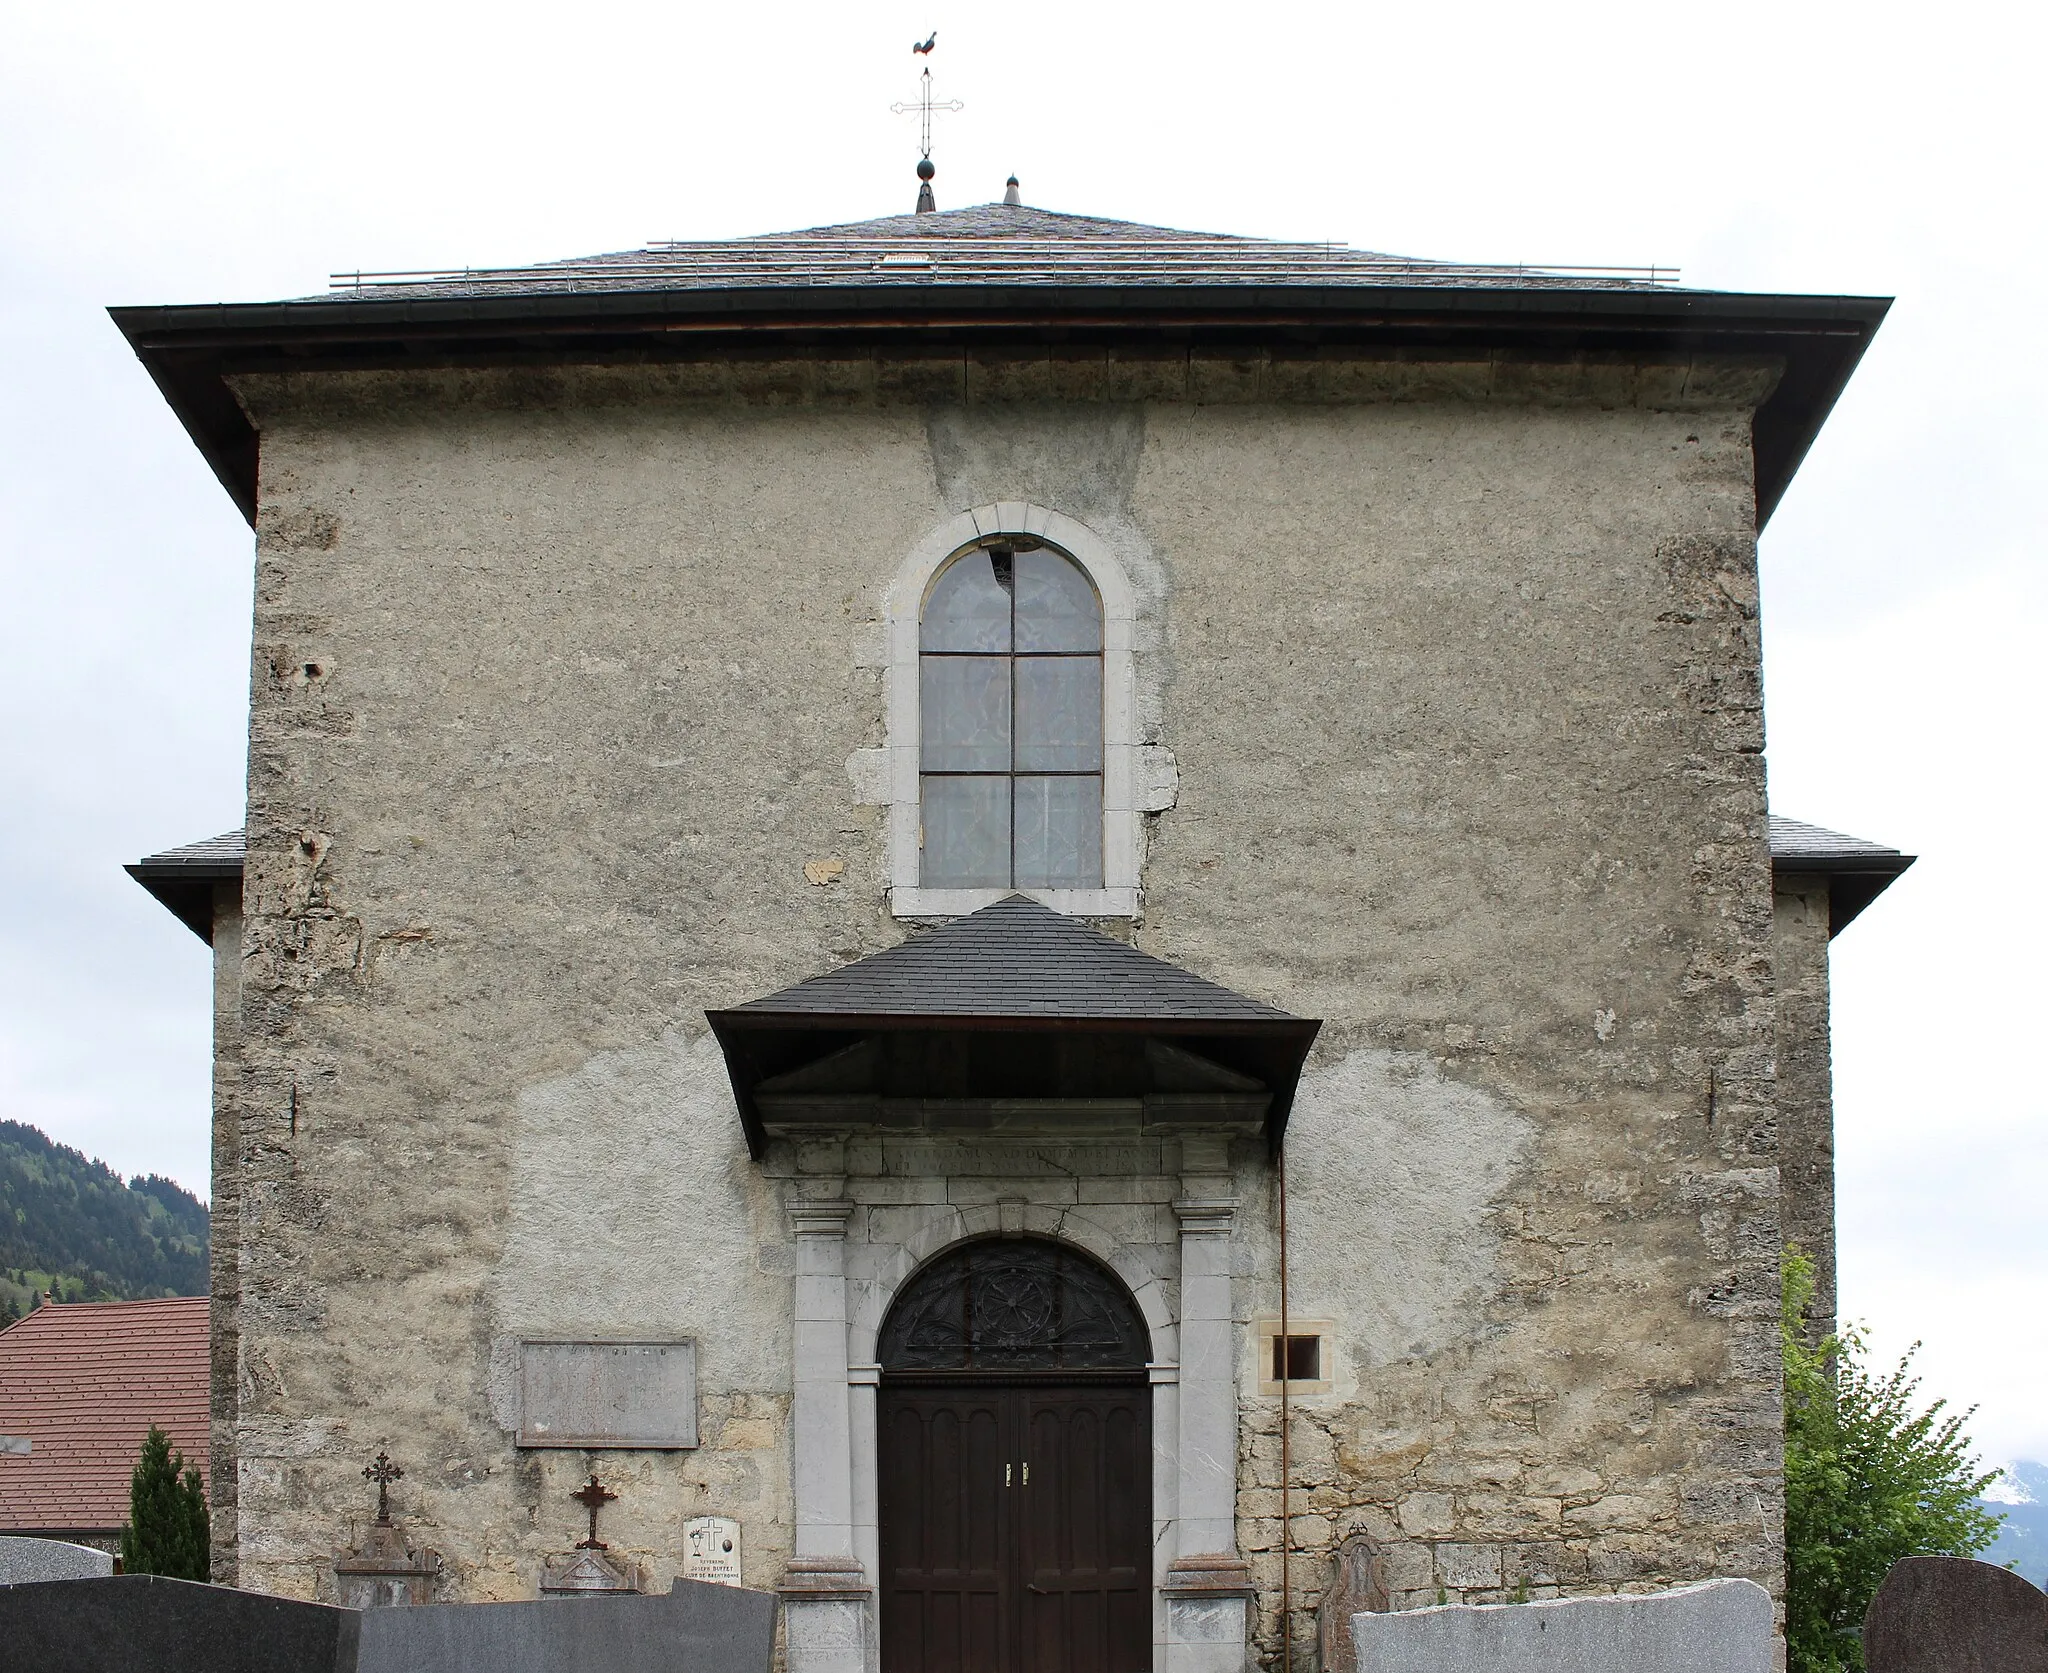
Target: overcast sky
207,152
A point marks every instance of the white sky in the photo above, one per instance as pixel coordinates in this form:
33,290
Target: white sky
206,152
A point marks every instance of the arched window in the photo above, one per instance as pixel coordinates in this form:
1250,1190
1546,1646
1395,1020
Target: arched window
1010,705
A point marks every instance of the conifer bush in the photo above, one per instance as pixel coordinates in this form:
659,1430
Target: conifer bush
166,1529
1868,1480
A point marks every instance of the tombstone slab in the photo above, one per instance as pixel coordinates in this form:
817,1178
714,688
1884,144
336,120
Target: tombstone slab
143,1623
25,1560
1953,1615
1720,1626
701,1627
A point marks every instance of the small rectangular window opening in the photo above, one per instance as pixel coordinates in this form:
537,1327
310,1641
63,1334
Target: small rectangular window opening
1297,1359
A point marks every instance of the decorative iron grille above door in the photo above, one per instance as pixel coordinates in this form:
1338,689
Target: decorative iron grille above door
1013,1305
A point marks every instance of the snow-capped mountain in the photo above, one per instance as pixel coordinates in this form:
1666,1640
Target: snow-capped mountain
2021,1497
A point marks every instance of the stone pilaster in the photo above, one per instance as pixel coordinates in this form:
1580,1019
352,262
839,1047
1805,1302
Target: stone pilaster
826,1595
1208,1587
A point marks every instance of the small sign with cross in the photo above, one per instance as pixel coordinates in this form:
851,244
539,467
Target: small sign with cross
383,1473
593,1496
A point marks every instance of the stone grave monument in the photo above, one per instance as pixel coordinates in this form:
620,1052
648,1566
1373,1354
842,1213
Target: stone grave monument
1359,1586
1718,1626
381,1570
24,1559
590,1570
1953,1615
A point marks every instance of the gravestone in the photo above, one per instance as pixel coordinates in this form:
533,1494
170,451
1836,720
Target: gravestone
698,1627
1953,1615
381,1570
1359,1586
144,1623
24,1560
1720,1626
711,1550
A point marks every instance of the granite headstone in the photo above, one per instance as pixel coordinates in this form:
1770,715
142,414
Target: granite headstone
143,1623
698,1626
1952,1615
24,1560
1719,1626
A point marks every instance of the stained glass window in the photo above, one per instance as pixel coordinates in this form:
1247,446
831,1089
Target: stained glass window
1010,694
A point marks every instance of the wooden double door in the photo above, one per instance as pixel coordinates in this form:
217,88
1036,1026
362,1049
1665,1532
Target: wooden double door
1016,1525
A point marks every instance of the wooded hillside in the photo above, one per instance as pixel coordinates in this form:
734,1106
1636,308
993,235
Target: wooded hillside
71,1224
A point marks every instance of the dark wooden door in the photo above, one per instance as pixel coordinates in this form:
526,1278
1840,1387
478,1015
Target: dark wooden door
1016,1527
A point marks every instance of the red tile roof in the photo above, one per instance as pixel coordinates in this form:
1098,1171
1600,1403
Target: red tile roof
83,1382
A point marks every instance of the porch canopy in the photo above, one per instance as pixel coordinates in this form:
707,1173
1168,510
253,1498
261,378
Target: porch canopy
1012,1022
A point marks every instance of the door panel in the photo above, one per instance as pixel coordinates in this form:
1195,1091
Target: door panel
945,1533
1016,1529
1085,1545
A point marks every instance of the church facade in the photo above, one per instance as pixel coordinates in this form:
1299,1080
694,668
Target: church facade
1047,920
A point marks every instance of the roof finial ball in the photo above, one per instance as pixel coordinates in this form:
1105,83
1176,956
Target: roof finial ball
926,203
1010,198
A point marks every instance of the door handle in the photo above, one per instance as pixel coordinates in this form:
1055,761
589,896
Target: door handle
1040,1590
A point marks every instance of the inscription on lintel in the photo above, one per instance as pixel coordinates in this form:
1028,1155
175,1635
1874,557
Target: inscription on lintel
608,1394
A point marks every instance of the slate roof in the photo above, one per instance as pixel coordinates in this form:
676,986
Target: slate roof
991,243
1798,846
1016,959
183,878
83,1382
1857,871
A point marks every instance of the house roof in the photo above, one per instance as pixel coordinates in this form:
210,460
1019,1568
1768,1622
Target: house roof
1014,967
1857,871
1015,959
82,1383
184,878
986,244
996,278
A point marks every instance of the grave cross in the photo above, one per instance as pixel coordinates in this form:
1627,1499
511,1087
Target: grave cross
383,1473
593,1498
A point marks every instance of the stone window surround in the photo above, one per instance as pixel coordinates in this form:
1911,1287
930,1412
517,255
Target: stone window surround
1125,798
846,1282
1266,1328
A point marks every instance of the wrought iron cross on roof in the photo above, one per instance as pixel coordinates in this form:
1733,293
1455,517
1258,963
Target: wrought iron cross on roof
593,1497
383,1473
925,107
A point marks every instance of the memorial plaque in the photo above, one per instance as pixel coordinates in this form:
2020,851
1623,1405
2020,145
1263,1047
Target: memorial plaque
608,1394
711,1550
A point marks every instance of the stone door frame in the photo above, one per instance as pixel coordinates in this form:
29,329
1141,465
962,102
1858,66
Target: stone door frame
843,1290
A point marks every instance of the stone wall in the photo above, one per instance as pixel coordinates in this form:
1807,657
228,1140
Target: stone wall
224,1280
556,680
1806,1099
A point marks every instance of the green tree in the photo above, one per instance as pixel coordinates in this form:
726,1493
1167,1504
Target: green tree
166,1529
1868,1480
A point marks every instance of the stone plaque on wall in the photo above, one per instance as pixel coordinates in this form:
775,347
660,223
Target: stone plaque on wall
608,1394
711,1550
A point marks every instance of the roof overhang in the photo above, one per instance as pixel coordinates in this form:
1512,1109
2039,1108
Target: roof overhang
186,887
1235,1075
192,352
1852,884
